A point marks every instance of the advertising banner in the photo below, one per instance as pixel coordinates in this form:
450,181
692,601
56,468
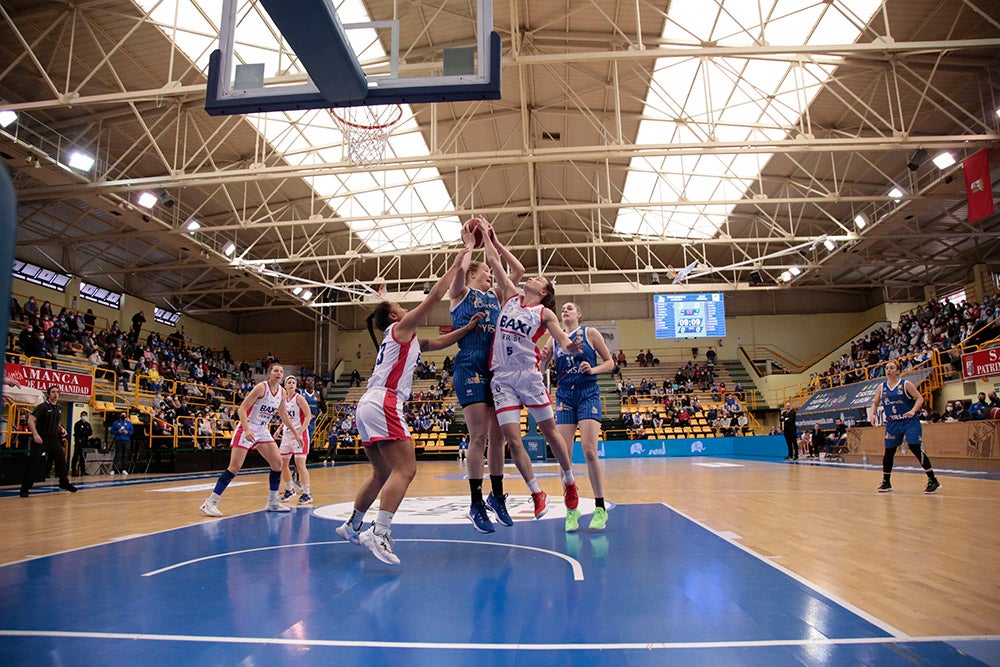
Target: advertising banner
73,386
985,363
850,402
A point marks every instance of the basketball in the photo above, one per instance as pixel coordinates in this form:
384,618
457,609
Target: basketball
994,413
472,226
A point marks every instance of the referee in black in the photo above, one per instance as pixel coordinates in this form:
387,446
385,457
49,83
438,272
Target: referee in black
47,432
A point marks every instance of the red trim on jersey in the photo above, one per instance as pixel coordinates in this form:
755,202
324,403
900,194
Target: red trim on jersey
398,366
540,405
513,407
237,436
389,405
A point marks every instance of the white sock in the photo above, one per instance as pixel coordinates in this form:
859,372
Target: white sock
533,486
305,489
272,496
383,522
214,498
356,516
567,477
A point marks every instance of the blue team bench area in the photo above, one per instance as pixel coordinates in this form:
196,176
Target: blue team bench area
759,447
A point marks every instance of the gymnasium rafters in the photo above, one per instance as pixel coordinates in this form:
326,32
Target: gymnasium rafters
596,166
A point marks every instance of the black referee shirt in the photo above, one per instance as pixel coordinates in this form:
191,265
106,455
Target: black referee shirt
48,418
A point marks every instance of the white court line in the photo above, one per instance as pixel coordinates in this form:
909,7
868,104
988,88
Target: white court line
895,632
573,563
634,646
201,520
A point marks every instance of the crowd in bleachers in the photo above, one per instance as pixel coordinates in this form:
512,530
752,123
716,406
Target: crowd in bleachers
936,325
194,389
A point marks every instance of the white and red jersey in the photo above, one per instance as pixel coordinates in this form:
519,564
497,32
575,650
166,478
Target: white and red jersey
515,344
290,443
260,414
395,364
297,416
265,408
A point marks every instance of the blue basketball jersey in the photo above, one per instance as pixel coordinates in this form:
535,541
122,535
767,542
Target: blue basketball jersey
568,365
474,348
895,401
313,400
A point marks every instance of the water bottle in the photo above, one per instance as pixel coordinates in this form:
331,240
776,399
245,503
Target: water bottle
864,458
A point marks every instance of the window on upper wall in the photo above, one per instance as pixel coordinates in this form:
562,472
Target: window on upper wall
39,276
102,296
165,316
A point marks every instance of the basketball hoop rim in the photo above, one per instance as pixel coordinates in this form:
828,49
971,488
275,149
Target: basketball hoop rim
381,126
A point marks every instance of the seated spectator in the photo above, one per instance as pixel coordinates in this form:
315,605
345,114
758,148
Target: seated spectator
980,409
648,358
640,359
818,440
961,413
743,423
805,442
837,437
621,359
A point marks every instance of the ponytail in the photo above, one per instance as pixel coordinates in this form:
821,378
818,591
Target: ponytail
549,300
378,318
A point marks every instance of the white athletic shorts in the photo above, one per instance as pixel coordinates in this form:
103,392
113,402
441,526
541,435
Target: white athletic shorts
514,389
380,417
290,445
261,433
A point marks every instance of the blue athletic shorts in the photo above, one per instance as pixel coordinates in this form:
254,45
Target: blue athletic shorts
471,386
574,405
896,430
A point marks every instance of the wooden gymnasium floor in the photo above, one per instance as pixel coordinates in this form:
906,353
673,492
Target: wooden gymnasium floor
704,561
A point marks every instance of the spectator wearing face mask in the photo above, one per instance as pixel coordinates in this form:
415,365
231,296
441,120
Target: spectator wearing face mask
980,408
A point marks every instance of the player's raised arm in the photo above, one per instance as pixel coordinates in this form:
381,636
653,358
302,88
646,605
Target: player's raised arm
506,287
407,325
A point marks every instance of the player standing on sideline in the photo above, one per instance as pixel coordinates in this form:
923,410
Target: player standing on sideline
256,411
901,402
517,380
472,292
578,402
381,423
293,446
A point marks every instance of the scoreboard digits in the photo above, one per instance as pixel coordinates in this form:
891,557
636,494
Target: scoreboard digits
689,315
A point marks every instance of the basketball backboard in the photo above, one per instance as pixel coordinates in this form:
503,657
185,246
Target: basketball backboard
279,55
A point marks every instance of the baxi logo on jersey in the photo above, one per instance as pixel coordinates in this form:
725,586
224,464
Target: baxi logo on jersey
268,409
514,325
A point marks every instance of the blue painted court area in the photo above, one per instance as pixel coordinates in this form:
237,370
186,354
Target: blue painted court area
272,589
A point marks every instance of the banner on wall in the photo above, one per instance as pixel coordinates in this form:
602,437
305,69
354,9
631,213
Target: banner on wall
850,402
73,386
985,363
611,335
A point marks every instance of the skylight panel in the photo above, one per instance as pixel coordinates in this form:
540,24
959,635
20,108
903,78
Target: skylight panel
314,137
725,99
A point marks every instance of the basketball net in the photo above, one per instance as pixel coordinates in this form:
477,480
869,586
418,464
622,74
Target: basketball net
366,131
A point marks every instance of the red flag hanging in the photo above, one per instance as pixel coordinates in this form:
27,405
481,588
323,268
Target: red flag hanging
978,187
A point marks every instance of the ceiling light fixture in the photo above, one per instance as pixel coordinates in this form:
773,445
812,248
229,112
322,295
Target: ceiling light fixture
147,200
193,225
307,295
829,245
943,160
860,221
296,291
81,161
7,117
896,193
794,270
229,249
